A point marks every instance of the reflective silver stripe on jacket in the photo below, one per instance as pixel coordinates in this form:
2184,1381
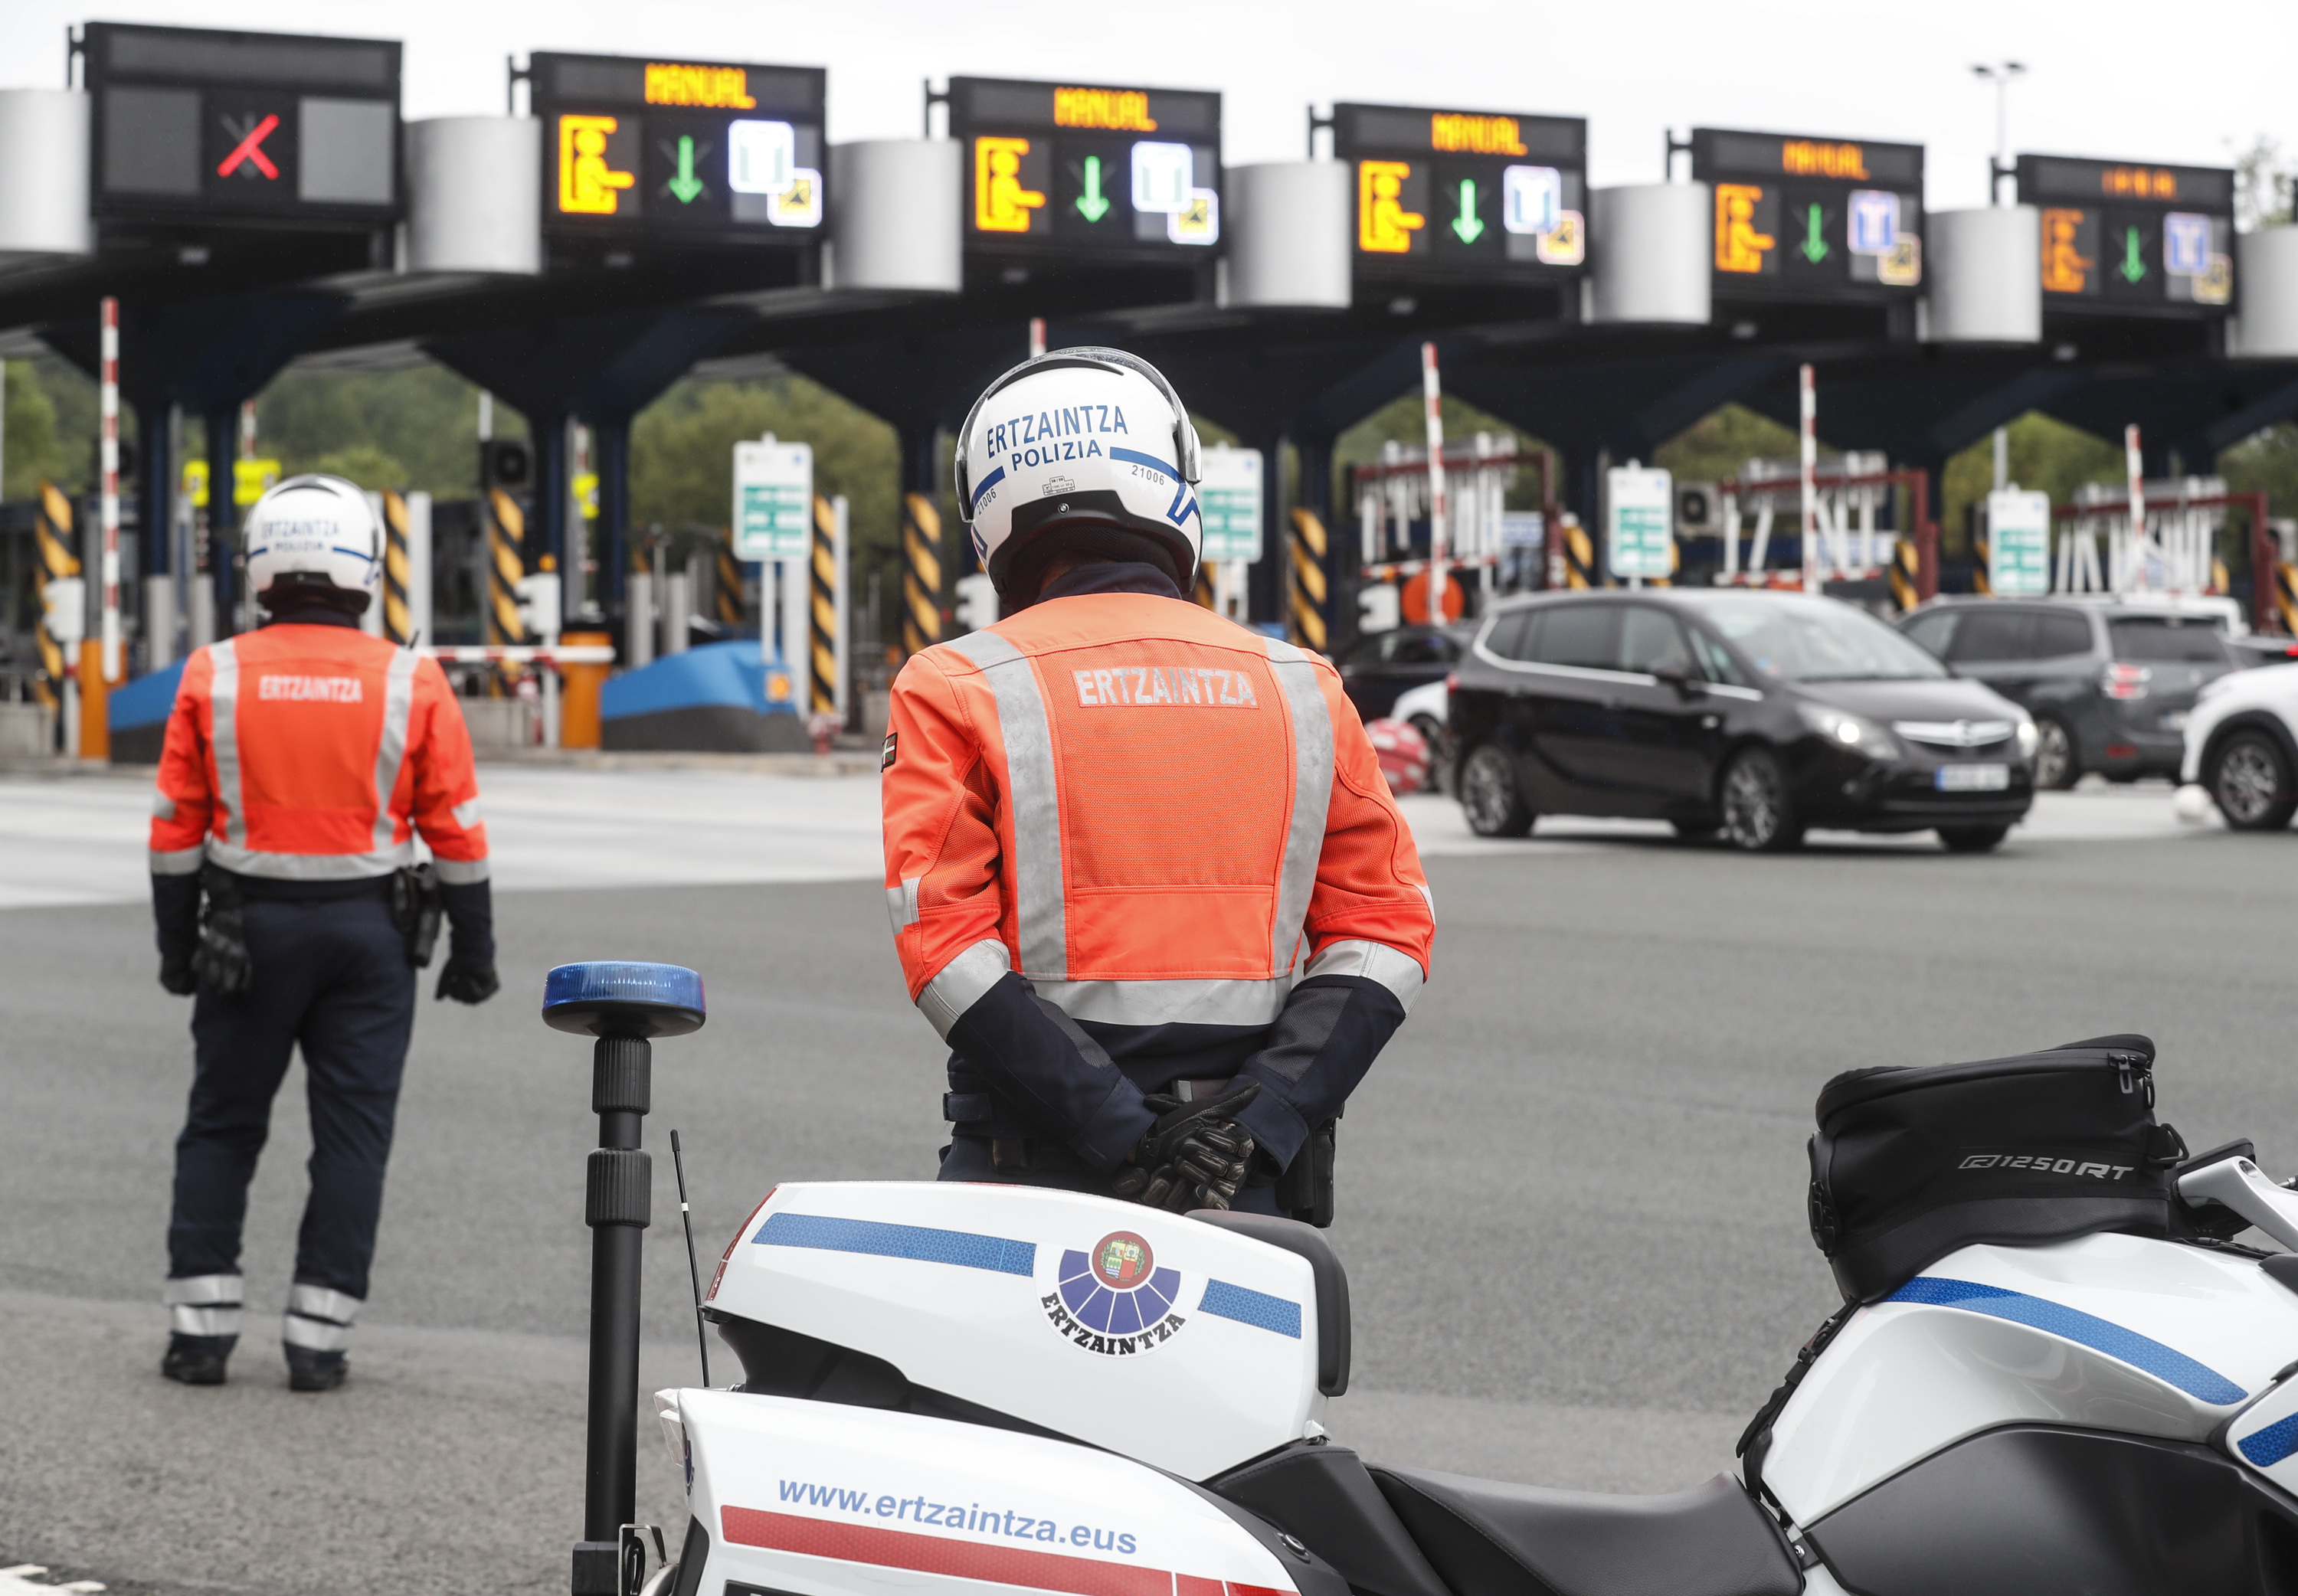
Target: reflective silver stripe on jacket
390,752
466,813
961,983
203,1305
1169,1002
312,867
182,861
163,808
223,695
1399,972
1031,797
461,872
902,904
1312,797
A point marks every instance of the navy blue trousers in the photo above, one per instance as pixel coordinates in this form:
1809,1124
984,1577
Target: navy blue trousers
331,977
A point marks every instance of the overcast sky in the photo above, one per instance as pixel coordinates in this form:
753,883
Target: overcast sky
2118,79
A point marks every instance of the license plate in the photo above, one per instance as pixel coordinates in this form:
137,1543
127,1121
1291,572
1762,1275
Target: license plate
1972,778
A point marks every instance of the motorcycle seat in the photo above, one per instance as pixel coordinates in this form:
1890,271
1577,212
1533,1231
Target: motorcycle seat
1486,1538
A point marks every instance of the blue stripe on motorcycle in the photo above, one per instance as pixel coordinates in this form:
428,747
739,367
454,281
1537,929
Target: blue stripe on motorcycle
2164,1363
2270,1445
1255,1308
916,1242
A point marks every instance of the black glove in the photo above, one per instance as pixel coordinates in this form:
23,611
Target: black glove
1194,1157
221,963
467,980
176,976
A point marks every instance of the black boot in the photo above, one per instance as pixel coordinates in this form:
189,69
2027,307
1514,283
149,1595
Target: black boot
315,1371
197,1360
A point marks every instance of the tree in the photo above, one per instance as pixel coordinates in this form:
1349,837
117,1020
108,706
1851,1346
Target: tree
421,422
2046,456
1721,443
33,449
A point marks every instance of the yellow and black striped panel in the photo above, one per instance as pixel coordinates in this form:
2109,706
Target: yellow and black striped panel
1908,570
398,616
51,532
729,584
823,678
506,535
1305,612
2286,595
1580,559
921,574
1981,582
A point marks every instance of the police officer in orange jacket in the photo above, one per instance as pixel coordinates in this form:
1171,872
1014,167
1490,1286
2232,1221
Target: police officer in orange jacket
1144,875
301,762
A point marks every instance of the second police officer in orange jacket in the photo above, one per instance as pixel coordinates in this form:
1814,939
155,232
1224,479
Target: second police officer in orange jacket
301,762
1146,877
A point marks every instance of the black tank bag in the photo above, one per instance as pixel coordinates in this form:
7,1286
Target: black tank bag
1909,1164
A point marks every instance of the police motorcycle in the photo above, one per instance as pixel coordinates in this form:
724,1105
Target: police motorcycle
2055,1371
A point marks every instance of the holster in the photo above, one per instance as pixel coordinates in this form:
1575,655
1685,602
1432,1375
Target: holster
1305,1189
417,906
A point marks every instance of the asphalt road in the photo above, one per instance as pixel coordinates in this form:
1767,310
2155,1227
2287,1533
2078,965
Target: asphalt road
1572,1201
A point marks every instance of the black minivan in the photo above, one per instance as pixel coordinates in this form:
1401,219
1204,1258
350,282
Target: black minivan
1754,715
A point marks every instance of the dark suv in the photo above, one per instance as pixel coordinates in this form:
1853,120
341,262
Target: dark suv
1751,715
2110,685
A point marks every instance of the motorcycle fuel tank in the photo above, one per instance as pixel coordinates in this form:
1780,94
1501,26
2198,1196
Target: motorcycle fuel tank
2116,1333
815,1499
1190,1347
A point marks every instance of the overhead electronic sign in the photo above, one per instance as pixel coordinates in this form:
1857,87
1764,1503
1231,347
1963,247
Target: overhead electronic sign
193,123
1465,193
685,151
1812,218
2117,236
1055,168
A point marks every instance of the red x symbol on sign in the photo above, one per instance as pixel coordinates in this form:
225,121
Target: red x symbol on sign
250,149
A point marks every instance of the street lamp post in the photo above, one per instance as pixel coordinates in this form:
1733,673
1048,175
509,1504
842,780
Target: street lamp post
2001,74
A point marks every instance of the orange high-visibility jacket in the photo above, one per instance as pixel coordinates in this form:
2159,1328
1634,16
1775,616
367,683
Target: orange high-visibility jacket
315,753
1164,823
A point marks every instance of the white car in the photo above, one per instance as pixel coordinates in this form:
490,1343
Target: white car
2242,745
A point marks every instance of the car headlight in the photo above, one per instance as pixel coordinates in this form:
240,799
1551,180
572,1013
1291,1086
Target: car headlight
2030,740
1848,731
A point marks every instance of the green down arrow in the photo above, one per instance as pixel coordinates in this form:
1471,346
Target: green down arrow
686,185
1813,245
1091,204
1467,227
2133,266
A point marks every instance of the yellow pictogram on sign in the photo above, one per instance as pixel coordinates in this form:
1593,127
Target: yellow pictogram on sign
1384,226
1000,204
1739,247
587,185
2066,269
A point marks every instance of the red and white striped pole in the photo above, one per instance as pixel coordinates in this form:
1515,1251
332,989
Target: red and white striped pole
1037,336
108,490
1807,420
1432,393
2132,577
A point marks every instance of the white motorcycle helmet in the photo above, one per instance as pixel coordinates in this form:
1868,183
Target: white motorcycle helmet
1079,450
313,539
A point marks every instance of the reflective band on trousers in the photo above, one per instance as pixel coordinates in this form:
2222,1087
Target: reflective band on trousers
1033,799
185,1319
223,695
314,1335
1312,796
317,1301
203,1305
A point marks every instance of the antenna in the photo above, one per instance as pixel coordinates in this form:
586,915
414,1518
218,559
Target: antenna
693,1274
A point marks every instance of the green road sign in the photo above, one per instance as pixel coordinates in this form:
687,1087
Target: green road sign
773,500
